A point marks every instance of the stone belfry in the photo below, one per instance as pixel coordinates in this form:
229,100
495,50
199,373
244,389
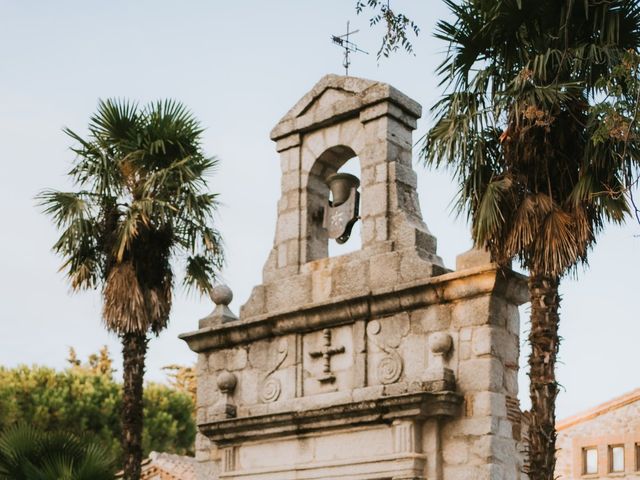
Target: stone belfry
377,364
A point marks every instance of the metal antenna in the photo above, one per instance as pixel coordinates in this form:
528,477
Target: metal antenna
343,42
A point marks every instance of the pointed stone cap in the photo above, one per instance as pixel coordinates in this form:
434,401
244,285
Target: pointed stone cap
221,296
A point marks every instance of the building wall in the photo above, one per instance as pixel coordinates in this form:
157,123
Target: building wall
385,356
422,381
616,426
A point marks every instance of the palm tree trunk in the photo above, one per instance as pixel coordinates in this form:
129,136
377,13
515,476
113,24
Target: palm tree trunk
543,390
134,349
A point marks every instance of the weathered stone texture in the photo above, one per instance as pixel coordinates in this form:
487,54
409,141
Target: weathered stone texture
376,364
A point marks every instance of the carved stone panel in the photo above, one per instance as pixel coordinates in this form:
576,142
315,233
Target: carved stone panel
327,360
272,371
271,385
385,362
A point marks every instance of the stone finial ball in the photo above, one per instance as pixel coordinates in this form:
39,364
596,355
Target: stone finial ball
226,382
221,295
440,343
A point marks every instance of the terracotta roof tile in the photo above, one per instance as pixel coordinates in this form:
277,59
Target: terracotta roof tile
167,466
180,466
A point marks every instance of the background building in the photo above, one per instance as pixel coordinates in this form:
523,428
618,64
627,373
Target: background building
603,442
167,466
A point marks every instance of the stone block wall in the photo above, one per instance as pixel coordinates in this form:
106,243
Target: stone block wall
372,121
379,364
457,332
483,442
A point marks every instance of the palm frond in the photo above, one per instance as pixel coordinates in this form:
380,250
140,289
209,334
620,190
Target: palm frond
65,207
128,230
30,454
556,248
546,94
489,217
525,225
124,309
143,197
116,123
201,272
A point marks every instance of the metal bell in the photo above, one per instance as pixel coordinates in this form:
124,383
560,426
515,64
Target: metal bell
341,212
341,185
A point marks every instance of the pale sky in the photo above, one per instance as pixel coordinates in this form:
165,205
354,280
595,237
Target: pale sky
239,66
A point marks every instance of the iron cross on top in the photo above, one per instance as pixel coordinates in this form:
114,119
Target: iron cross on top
326,352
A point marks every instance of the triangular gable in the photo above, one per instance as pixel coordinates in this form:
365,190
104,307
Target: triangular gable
348,86
337,96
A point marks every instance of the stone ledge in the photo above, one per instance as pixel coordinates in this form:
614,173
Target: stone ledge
405,466
376,303
420,405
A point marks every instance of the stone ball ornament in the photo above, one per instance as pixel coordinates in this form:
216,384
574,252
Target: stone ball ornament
440,343
227,382
221,295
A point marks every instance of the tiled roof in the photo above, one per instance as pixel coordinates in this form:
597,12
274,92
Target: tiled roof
167,466
601,409
178,467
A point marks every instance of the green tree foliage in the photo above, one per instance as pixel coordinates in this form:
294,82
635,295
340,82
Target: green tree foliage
183,379
27,453
398,27
140,202
85,400
169,420
539,124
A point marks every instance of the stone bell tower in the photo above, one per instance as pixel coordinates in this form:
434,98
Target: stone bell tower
377,364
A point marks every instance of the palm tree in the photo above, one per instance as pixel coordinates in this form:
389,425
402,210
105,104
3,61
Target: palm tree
140,203
29,454
538,124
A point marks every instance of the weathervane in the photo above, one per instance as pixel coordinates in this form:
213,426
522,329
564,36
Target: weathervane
343,42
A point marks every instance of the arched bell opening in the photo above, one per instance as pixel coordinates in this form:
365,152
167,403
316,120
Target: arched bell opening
328,211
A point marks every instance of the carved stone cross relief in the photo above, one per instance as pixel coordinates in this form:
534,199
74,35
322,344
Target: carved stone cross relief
326,352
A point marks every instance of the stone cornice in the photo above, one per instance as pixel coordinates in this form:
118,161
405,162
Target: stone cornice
376,303
364,94
380,410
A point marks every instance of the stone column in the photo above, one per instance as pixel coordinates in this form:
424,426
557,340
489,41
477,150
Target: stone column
285,255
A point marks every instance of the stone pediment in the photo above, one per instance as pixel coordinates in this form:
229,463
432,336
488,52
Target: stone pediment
337,96
329,87
326,99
